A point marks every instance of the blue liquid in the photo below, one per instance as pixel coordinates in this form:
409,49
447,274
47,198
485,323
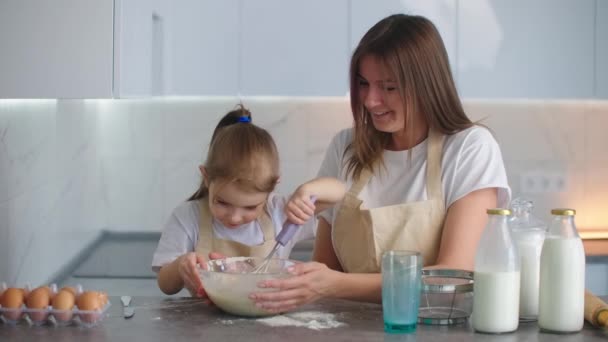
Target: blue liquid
398,328
400,300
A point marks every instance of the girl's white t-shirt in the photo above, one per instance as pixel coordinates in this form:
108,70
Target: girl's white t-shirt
181,232
471,161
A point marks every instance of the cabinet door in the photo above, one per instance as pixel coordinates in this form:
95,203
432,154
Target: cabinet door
141,47
176,47
364,14
294,47
601,59
56,49
526,49
204,47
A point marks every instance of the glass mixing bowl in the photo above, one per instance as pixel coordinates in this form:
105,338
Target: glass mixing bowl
228,282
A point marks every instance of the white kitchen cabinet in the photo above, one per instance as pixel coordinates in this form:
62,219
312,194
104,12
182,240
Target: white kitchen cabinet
601,43
204,47
141,47
364,14
56,49
294,47
526,49
178,47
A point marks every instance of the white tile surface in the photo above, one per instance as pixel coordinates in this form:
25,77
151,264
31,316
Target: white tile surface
521,117
596,132
130,128
28,145
6,271
77,167
181,178
187,125
133,193
594,207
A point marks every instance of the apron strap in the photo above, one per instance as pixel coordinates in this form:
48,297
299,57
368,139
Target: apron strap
358,185
267,226
205,226
433,166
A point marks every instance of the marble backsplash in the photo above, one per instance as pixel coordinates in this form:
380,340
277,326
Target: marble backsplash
72,168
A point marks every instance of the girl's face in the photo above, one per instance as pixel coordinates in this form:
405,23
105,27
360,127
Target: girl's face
234,207
379,94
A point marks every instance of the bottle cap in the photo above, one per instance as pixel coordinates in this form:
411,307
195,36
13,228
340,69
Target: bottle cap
499,211
563,212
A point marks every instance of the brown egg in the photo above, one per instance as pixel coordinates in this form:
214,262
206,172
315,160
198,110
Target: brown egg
12,298
38,300
63,303
89,300
64,300
70,289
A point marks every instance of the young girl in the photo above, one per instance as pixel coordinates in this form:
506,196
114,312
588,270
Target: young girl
234,212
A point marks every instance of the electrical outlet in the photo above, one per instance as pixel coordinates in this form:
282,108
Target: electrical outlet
541,182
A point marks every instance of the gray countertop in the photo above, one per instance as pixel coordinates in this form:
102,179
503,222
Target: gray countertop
184,319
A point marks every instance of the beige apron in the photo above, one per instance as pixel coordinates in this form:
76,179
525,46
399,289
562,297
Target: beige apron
360,236
208,243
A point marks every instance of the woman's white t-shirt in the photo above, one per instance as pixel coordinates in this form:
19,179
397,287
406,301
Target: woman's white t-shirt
471,161
181,232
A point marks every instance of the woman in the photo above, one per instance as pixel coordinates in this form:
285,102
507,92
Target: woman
420,173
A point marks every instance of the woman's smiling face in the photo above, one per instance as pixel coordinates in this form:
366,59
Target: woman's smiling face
379,94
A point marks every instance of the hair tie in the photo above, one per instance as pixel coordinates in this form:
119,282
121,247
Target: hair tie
244,119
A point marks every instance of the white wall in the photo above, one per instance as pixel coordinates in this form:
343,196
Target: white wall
72,168
50,198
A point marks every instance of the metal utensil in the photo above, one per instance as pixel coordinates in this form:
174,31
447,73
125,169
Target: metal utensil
127,311
285,235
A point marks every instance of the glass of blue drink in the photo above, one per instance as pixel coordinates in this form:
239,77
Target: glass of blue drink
401,281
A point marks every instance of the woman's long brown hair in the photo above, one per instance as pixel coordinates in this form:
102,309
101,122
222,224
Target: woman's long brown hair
412,49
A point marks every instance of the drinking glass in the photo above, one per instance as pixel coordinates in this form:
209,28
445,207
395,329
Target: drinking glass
401,282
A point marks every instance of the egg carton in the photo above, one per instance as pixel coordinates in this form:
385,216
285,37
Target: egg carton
50,315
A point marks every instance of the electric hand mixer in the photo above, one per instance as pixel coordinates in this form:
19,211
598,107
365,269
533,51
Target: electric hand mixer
285,235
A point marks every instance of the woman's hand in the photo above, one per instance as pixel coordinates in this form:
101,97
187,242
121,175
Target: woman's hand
188,271
300,208
310,282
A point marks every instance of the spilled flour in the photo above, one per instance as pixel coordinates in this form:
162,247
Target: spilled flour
309,319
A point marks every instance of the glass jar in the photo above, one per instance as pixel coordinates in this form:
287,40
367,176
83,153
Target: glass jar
496,277
528,234
562,276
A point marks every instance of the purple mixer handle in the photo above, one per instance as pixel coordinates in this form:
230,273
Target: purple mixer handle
289,229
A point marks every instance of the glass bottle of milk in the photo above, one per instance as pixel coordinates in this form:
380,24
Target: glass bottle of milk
562,276
496,277
528,234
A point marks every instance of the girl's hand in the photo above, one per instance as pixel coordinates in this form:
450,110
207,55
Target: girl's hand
310,282
188,270
216,255
300,208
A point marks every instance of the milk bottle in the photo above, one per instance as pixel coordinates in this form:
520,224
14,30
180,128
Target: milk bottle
562,276
496,277
528,235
